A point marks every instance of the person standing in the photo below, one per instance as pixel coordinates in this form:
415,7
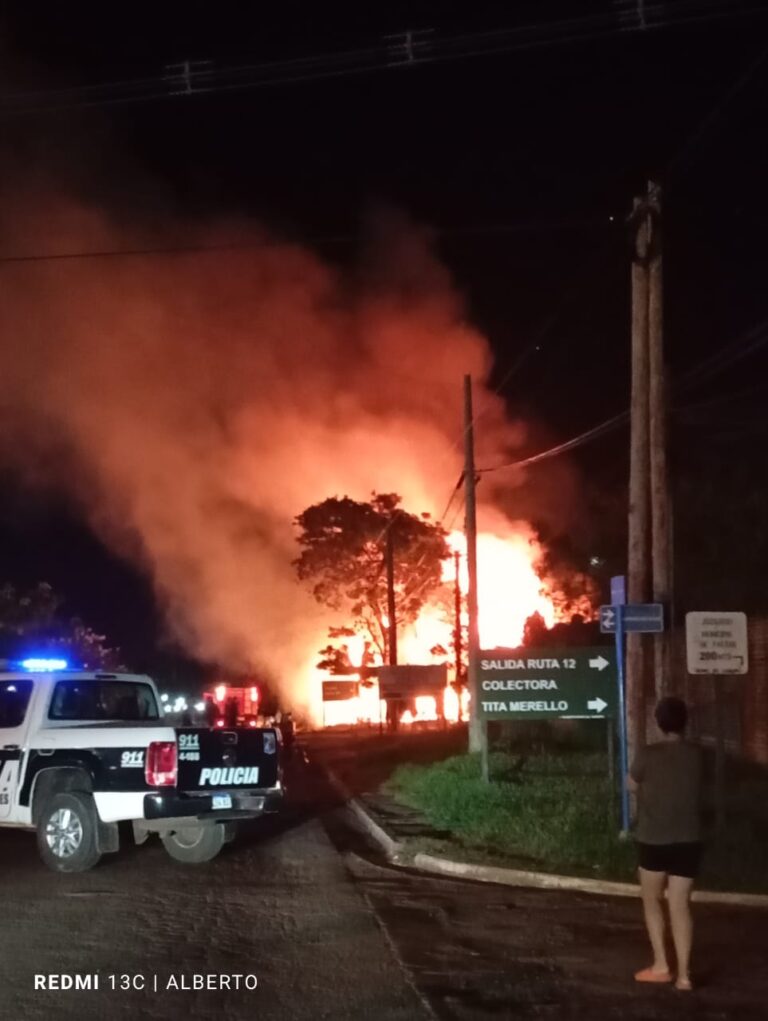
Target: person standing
667,776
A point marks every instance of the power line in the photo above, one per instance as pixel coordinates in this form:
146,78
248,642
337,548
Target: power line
456,489
700,131
741,348
408,49
561,448
235,246
688,143
722,399
450,526
735,351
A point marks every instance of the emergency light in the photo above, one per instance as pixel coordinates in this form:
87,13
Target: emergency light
41,665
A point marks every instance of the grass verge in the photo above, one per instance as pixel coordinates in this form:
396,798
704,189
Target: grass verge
555,812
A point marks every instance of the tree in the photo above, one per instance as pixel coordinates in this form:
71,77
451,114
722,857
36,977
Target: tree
343,558
572,633
31,621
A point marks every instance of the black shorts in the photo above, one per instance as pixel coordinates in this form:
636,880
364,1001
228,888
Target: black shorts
674,859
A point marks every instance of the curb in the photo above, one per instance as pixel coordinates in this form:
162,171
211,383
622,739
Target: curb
392,848
395,852
520,877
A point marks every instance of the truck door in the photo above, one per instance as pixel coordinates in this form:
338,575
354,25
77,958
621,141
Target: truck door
15,699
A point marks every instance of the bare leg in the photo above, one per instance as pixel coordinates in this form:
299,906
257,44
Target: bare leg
679,894
652,890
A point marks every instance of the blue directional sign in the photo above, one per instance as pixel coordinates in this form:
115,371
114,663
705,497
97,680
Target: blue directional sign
644,617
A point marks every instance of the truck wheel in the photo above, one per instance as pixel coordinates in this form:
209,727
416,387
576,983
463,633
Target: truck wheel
66,832
195,844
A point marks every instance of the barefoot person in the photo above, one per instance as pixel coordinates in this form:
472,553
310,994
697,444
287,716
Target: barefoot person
667,777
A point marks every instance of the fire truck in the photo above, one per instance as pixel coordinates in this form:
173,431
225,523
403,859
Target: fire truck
234,705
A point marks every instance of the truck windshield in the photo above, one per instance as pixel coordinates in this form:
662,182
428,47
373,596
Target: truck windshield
14,699
82,699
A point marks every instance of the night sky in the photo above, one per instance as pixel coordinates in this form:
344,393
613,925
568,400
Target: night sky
524,163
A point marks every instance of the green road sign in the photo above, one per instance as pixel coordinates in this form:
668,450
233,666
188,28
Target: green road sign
543,684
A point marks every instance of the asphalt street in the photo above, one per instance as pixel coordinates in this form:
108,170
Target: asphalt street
278,904
330,931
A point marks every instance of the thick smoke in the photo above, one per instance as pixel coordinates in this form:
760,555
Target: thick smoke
194,403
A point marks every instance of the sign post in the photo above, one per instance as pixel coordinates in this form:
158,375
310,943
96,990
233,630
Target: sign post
618,605
622,719
617,619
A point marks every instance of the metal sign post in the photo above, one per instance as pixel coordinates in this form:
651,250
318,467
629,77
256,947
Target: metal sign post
616,622
622,720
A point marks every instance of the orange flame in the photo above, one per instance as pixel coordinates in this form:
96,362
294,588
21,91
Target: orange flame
510,590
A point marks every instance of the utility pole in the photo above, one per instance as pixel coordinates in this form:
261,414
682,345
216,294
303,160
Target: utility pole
478,731
639,477
661,531
457,618
390,557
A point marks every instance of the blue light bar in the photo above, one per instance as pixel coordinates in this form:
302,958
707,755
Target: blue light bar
40,665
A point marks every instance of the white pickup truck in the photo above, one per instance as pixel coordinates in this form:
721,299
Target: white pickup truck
81,752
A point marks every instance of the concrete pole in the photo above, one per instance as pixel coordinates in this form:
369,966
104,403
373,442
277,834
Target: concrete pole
478,732
457,643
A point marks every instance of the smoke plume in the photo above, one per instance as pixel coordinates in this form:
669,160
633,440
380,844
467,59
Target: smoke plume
193,403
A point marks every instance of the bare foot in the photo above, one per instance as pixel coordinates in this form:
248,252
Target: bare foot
683,984
653,974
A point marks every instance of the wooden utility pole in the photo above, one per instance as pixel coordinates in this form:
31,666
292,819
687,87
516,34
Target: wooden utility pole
639,474
650,530
719,689
661,531
478,732
391,608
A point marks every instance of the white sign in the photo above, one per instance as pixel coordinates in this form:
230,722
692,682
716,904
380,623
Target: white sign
716,643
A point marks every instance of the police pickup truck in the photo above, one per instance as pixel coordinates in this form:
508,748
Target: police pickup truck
81,752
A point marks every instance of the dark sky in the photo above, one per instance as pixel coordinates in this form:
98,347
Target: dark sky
525,163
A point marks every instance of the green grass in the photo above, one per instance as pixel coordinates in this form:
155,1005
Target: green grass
555,812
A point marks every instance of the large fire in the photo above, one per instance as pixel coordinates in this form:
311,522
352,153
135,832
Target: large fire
268,380
510,590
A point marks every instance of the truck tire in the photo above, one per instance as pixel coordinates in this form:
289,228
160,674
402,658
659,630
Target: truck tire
67,832
195,844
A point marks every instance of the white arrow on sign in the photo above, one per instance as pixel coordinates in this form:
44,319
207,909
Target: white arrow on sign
608,616
597,704
600,663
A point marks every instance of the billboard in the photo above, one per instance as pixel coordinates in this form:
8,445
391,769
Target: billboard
408,681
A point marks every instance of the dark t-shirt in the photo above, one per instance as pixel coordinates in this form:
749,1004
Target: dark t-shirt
669,795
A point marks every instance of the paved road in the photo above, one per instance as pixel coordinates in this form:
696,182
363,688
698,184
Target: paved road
278,904
479,951
324,926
